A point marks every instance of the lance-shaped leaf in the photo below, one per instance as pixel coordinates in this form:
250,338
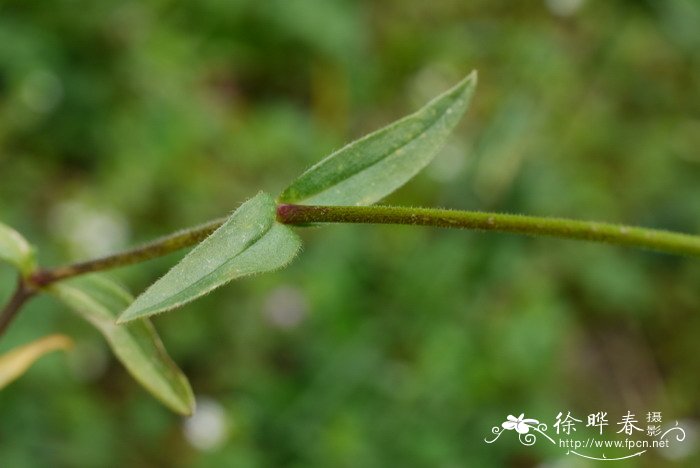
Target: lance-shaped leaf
15,250
14,363
372,167
137,345
250,241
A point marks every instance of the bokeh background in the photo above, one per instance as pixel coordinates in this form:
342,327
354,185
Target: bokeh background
380,346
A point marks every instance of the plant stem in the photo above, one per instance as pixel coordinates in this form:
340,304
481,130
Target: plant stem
21,295
653,239
153,249
662,241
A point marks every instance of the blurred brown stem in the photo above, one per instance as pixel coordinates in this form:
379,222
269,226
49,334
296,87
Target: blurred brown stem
27,287
22,294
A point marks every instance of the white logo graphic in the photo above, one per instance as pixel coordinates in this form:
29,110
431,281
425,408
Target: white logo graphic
565,426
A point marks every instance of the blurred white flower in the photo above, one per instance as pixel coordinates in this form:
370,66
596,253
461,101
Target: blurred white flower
89,361
449,163
430,81
41,91
677,449
285,307
87,231
564,7
208,428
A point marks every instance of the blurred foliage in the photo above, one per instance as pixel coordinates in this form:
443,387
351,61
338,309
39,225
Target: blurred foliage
380,346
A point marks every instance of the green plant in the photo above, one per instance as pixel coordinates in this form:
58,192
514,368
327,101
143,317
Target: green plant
258,238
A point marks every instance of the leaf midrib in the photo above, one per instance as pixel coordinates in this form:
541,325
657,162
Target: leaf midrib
88,299
156,307
333,182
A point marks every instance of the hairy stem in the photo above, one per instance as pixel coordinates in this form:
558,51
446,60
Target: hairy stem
662,241
153,249
652,239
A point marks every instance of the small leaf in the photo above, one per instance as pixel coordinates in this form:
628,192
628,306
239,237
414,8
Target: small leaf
372,167
137,345
17,361
250,241
15,250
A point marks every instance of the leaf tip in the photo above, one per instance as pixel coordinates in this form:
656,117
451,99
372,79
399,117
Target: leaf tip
134,312
468,83
187,408
126,317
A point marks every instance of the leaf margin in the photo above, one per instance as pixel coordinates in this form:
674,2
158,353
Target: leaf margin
180,399
16,250
296,193
270,227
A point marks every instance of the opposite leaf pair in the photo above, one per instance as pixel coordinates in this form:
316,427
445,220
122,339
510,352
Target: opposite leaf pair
251,241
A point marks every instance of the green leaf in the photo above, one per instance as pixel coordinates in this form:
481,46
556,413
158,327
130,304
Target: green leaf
137,345
250,241
372,167
14,363
15,250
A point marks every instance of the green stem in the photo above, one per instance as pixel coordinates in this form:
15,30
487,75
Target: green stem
153,249
653,239
662,241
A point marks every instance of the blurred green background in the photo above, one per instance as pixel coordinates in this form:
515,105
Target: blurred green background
380,346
